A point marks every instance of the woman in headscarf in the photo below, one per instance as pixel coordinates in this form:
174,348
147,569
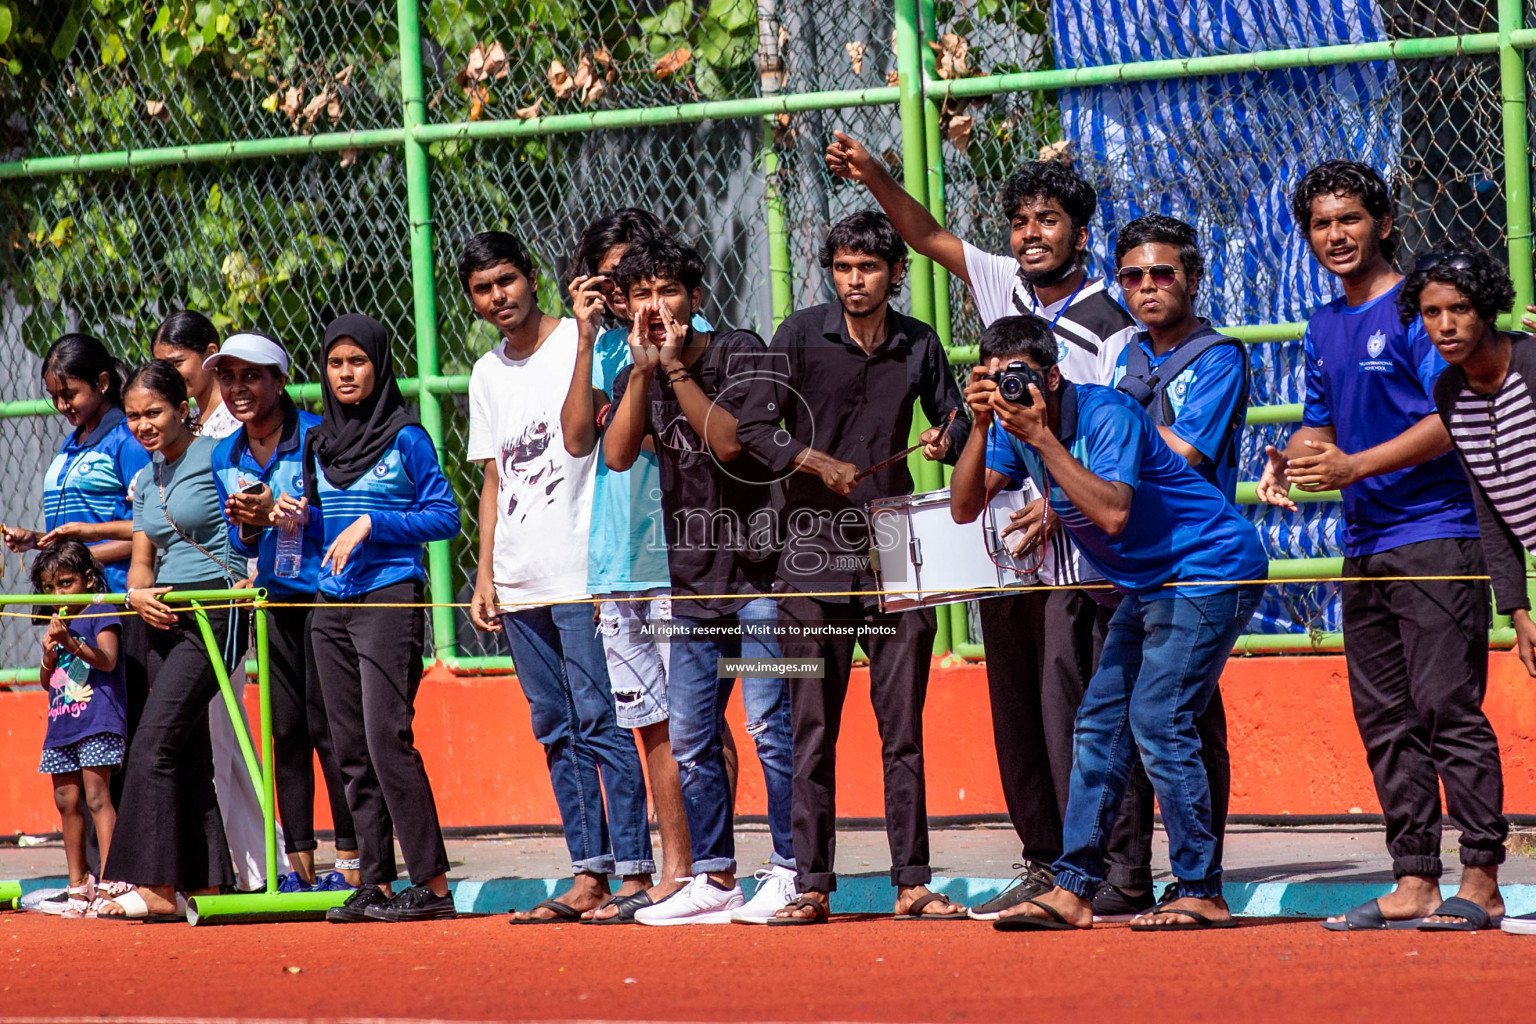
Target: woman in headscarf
375,495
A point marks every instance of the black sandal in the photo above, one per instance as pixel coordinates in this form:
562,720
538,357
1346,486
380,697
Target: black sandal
1030,923
627,906
915,911
564,914
820,915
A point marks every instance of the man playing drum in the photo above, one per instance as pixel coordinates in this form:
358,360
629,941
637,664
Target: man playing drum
839,401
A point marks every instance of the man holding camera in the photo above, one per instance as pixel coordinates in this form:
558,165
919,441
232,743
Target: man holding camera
1041,646
1147,521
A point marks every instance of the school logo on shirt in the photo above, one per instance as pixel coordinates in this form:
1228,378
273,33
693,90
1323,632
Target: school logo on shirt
1376,344
381,470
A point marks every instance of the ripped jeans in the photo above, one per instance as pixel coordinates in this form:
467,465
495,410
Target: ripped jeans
637,661
696,700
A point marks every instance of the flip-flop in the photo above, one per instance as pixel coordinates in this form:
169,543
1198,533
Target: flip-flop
1030,923
915,911
819,915
627,906
1197,921
1367,917
1472,918
135,909
564,914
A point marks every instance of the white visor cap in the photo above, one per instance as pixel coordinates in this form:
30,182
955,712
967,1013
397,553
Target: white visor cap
252,348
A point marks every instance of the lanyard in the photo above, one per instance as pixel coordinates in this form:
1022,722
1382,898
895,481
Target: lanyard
1035,301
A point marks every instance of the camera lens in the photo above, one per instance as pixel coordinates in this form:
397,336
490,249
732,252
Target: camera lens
1012,387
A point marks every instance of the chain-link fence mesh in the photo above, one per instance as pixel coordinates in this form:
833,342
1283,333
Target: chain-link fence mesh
283,243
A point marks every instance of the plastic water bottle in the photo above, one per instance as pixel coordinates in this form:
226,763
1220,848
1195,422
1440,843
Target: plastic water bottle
290,550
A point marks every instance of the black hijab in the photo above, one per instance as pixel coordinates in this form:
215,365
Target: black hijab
351,439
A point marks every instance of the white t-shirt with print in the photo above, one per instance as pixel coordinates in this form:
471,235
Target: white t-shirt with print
220,423
544,504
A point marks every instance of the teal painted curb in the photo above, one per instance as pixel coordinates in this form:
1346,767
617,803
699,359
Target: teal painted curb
873,894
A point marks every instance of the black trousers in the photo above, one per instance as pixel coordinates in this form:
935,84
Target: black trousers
301,733
169,829
898,687
1418,668
1042,648
369,663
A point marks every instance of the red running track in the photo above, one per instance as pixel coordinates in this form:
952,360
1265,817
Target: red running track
854,969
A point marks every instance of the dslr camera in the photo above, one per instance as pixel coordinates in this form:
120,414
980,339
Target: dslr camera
1013,382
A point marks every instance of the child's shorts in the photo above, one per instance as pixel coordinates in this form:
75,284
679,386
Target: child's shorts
97,751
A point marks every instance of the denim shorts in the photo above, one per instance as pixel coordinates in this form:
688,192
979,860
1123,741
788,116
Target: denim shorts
100,750
637,664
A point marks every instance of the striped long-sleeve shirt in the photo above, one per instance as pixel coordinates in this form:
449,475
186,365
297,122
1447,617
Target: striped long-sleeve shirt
1495,437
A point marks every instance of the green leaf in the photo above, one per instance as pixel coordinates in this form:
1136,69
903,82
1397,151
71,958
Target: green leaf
7,21
112,50
64,42
733,14
671,21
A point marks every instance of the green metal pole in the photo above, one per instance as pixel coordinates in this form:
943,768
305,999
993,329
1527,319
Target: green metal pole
268,749
914,147
770,76
1517,160
236,716
418,181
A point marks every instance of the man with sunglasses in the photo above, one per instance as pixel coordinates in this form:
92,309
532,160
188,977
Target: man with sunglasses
1041,646
1417,649
1193,382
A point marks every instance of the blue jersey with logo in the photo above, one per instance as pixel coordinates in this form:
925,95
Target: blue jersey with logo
1370,377
408,501
1204,398
235,468
1180,528
91,480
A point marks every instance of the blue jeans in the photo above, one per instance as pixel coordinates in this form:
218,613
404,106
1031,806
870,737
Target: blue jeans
1161,663
766,700
696,699
563,671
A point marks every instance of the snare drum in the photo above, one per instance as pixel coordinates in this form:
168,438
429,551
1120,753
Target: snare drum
921,557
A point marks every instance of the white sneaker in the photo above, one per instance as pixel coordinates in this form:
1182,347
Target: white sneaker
700,902
775,891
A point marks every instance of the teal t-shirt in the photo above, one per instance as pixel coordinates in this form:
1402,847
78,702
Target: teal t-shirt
627,550
185,492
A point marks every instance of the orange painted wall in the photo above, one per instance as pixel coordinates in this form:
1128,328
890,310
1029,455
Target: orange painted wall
1292,736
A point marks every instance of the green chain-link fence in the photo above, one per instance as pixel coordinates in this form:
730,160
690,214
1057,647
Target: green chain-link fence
275,163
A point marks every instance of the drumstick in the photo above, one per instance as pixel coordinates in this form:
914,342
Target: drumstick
877,467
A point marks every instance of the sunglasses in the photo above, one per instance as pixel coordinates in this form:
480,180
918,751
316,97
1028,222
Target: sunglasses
1163,275
1454,260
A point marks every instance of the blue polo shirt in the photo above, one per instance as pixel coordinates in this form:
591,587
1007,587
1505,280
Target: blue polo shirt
1370,377
233,463
1204,398
90,480
1180,527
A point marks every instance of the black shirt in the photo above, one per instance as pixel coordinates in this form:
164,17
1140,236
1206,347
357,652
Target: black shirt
720,534
829,395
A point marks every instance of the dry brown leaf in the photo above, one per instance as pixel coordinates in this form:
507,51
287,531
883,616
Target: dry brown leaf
496,61
893,78
333,108
313,108
293,98
602,57
157,110
671,62
583,76
959,131
783,120
951,50
345,76
478,95
595,91
892,159
855,52
349,156
1059,152
560,80
530,112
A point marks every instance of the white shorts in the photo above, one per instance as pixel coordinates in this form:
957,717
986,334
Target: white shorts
637,664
